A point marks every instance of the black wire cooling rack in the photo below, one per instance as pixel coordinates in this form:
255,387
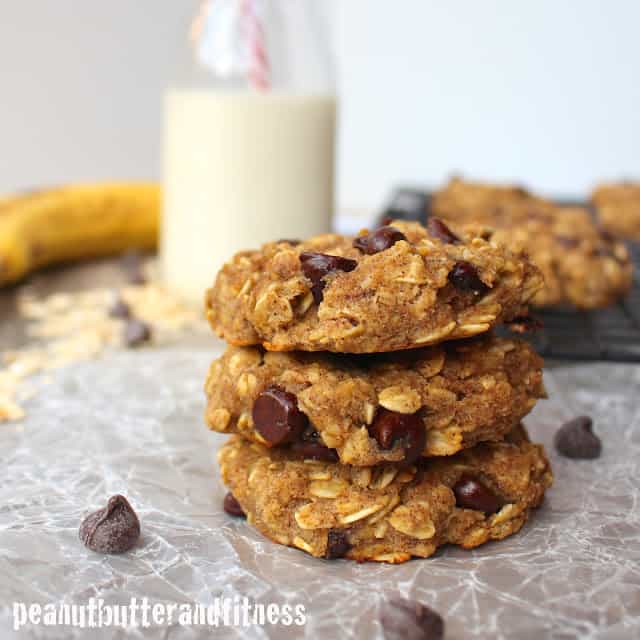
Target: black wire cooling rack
611,334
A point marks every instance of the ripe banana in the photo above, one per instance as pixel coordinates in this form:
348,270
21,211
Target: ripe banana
40,228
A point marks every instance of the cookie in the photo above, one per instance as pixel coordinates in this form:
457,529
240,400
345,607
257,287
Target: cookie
398,287
618,208
582,266
392,512
369,409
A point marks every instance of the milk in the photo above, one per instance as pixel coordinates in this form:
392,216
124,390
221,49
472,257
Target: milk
241,169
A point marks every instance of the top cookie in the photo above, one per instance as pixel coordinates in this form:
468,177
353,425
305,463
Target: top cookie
618,207
581,265
398,287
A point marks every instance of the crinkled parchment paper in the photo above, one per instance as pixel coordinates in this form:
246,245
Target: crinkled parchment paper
132,423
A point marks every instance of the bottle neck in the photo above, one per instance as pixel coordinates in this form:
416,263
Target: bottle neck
280,46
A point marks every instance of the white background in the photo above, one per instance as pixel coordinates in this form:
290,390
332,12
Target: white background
545,92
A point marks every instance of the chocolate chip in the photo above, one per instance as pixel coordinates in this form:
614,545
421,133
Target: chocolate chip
575,439
337,544
120,309
316,266
404,619
389,427
309,446
464,277
314,451
136,333
232,506
112,529
378,240
472,494
439,229
276,416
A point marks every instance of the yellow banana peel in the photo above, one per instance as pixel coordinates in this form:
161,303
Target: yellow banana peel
75,222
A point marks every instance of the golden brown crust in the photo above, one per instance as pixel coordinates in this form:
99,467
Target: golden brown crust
581,265
396,299
618,208
465,392
388,513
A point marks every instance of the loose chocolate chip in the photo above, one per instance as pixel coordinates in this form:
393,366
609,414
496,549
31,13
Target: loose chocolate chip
276,416
439,229
388,427
120,309
472,494
575,439
314,451
232,506
464,277
404,619
337,544
136,333
112,529
316,266
378,240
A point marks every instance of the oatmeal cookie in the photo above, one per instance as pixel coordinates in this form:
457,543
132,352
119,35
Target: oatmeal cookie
582,266
398,287
369,409
618,208
392,512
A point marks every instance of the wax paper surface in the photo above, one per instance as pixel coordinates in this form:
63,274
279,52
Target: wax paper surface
132,423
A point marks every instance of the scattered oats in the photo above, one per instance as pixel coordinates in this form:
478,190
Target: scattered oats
71,327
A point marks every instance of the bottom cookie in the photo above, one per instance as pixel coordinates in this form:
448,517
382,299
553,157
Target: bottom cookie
388,513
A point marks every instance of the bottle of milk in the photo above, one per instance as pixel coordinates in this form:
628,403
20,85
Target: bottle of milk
249,136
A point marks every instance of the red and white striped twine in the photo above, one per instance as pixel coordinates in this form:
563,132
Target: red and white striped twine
258,59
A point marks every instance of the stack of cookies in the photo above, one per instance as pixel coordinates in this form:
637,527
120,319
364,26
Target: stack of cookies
376,417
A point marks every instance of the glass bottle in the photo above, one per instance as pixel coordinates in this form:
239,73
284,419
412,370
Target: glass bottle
249,136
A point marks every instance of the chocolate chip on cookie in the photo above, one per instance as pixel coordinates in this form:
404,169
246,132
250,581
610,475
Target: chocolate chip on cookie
464,277
389,427
378,240
316,266
337,544
314,451
112,529
277,417
232,506
439,229
575,439
404,619
472,494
